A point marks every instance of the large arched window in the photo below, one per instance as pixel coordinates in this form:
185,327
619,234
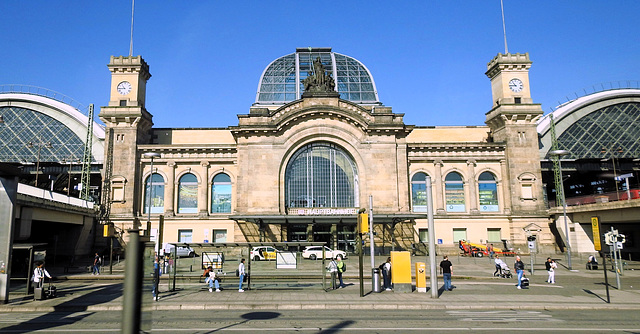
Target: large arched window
154,190
221,194
488,192
188,194
454,192
419,192
321,175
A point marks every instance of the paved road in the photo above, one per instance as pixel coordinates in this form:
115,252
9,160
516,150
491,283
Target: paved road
332,321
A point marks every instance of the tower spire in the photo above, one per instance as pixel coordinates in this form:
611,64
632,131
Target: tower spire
131,40
504,29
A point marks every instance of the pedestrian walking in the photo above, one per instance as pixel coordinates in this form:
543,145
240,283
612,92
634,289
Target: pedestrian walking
447,269
332,268
212,279
519,266
97,261
342,267
386,274
241,274
492,251
551,265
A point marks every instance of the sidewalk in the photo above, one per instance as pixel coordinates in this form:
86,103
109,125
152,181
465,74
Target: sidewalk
475,289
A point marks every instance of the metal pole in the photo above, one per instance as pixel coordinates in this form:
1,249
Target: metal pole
361,263
615,258
110,255
148,231
432,242
371,241
132,296
564,215
606,280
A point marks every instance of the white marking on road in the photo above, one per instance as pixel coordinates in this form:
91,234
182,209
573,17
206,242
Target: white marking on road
504,316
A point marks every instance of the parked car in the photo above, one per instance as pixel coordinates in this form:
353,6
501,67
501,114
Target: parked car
315,252
181,251
263,253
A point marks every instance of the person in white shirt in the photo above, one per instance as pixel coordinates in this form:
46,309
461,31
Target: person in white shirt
39,273
241,274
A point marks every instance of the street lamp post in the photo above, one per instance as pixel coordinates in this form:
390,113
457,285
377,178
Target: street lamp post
557,154
150,155
156,274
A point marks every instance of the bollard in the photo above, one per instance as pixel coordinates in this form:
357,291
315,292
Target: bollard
375,280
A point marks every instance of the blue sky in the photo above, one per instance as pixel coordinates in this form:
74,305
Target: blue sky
428,58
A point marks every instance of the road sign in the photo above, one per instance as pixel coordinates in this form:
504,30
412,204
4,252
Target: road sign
623,176
595,228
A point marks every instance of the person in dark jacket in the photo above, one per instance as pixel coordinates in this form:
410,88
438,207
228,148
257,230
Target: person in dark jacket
519,266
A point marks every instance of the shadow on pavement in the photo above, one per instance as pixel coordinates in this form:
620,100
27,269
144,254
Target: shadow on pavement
65,313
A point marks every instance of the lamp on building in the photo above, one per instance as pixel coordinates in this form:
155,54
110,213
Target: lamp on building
150,155
556,154
39,144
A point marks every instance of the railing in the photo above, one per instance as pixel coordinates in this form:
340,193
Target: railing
39,91
599,198
605,86
52,196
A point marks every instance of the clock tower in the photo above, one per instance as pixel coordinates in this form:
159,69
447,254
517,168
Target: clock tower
512,120
128,124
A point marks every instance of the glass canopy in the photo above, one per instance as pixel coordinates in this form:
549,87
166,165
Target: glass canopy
281,81
29,136
594,136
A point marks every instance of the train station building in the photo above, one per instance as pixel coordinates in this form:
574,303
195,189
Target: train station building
317,145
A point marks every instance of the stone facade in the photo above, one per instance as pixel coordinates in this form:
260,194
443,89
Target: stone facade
386,153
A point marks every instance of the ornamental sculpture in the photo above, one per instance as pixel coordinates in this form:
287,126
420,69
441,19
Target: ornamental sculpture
318,81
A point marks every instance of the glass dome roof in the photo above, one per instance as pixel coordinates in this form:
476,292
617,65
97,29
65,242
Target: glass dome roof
281,81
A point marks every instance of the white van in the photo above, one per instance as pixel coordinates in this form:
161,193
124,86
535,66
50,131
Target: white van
180,252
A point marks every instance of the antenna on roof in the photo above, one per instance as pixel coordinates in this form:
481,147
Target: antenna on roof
504,29
131,43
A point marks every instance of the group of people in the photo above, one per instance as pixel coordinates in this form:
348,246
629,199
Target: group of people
336,268
213,279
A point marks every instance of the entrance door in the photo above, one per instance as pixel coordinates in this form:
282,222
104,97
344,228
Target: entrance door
347,238
322,233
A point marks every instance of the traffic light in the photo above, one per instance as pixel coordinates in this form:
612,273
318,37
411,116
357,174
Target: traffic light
621,238
363,223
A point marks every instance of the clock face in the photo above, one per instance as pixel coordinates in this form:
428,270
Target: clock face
124,88
516,85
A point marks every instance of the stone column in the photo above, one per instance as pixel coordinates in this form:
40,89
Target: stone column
203,191
504,187
439,196
170,189
473,187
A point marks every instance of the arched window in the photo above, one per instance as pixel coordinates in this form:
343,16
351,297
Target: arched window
419,192
154,190
488,192
221,194
321,175
454,192
188,194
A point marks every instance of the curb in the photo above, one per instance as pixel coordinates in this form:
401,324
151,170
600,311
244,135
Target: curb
302,306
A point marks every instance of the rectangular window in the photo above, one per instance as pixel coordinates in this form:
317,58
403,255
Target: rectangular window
219,235
494,235
185,236
517,100
459,234
123,103
527,191
423,234
117,192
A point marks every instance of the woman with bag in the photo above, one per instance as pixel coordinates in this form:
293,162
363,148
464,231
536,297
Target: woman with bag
212,279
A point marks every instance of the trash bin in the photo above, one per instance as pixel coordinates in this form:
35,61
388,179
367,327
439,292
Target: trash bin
375,280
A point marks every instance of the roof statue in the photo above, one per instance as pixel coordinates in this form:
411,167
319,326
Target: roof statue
318,81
